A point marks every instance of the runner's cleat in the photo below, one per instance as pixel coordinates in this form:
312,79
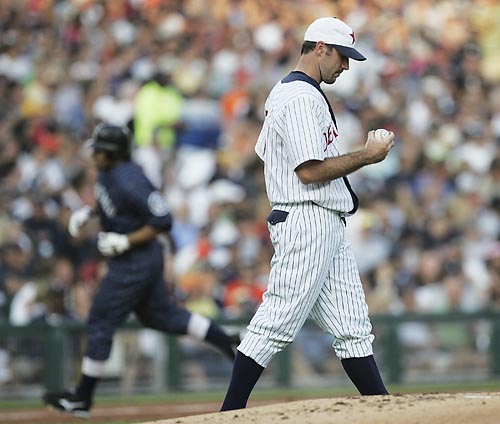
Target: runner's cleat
68,402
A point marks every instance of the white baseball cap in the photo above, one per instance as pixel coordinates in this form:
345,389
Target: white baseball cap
334,32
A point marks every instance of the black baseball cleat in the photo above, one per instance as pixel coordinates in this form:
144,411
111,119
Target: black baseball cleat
68,402
235,341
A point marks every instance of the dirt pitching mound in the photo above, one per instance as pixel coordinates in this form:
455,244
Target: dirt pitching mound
456,408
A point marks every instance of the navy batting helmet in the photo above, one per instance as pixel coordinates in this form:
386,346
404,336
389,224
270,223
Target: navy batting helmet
113,139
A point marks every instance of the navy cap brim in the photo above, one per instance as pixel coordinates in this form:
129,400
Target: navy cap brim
349,52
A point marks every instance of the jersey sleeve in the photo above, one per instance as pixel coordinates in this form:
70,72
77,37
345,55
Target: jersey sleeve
303,130
150,204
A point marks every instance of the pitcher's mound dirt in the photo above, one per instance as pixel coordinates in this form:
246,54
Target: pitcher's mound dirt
457,408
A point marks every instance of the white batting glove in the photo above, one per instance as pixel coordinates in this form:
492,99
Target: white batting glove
78,219
112,244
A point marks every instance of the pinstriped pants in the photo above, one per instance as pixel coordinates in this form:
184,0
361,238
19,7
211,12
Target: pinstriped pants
313,275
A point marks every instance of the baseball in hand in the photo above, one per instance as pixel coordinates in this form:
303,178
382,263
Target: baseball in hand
381,134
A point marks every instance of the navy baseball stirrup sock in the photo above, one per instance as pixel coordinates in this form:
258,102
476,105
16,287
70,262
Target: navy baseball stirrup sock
221,340
86,387
246,373
365,375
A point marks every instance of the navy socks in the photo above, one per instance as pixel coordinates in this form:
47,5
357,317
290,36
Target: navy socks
246,373
365,375
363,372
86,387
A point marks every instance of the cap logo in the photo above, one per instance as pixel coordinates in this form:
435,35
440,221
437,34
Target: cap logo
334,32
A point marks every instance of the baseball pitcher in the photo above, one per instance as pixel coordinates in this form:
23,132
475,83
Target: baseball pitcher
313,271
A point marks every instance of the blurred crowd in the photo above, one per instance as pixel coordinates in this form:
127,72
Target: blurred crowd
189,78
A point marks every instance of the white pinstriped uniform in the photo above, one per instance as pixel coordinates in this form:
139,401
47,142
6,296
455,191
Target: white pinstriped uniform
294,132
313,271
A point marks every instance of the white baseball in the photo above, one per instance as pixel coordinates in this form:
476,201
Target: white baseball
381,134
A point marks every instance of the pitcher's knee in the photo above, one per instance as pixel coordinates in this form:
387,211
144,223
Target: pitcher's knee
262,349
354,347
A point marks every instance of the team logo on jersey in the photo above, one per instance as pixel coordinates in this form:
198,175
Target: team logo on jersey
329,136
104,200
157,204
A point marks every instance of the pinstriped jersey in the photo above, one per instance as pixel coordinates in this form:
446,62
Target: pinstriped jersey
298,127
127,201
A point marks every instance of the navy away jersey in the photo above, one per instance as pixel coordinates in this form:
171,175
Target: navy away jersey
127,200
